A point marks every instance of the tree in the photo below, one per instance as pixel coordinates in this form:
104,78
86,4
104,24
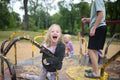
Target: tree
33,8
38,13
15,21
113,13
64,19
83,11
26,19
48,7
71,15
4,15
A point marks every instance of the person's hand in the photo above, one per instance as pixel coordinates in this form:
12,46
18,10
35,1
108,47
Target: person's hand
92,31
44,61
85,20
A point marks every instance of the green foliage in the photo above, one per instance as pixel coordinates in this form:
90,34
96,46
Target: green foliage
83,9
55,19
113,13
15,21
39,18
8,20
70,18
4,15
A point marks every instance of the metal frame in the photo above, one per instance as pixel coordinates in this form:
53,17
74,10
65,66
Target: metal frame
114,57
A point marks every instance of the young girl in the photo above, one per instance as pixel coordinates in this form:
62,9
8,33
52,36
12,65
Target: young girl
53,43
69,47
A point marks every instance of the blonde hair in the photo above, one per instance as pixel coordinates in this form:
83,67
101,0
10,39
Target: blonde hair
48,39
67,36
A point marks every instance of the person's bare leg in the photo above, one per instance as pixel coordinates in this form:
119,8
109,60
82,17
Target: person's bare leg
94,59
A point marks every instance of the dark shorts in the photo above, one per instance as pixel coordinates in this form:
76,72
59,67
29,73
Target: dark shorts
97,42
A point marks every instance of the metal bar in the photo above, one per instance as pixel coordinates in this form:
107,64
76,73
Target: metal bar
114,57
113,22
15,50
11,70
109,42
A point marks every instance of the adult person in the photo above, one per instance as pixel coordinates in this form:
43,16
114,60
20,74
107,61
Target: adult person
97,35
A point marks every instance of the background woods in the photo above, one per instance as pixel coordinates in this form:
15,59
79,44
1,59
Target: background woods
37,15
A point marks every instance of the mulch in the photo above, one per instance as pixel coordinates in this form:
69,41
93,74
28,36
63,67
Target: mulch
33,69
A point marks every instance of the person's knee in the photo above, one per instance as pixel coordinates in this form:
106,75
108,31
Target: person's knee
90,51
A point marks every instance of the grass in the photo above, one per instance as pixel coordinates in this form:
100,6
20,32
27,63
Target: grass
6,34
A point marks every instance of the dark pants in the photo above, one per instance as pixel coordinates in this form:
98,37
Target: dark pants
97,42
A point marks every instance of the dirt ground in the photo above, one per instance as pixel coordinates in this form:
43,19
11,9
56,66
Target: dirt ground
24,52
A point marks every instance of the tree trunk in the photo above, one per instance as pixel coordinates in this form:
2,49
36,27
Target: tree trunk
26,23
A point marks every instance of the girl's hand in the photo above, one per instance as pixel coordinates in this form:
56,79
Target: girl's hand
44,61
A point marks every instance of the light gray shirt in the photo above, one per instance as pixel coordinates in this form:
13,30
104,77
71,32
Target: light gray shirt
97,5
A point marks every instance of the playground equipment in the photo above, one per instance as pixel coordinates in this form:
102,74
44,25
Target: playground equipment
77,72
12,41
35,40
3,58
113,58
33,47
83,57
11,69
5,51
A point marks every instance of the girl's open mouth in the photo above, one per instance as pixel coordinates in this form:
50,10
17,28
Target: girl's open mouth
54,37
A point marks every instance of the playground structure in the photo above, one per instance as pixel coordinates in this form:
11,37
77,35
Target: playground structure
77,72
104,76
12,42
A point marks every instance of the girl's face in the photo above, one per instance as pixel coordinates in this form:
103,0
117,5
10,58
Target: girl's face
55,34
65,39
